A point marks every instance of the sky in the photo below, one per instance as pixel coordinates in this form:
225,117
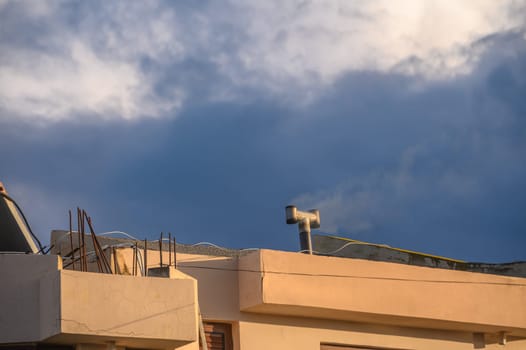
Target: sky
403,122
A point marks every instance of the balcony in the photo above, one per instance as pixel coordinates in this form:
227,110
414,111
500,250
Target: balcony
41,302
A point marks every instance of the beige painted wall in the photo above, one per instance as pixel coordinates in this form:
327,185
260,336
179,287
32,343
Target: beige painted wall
41,302
274,332
219,282
135,311
20,295
371,291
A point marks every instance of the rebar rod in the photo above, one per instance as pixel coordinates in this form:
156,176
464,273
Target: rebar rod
161,250
71,254
83,235
71,240
79,241
115,264
68,264
134,258
83,239
83,216
169,249
97,246
145,257
175,253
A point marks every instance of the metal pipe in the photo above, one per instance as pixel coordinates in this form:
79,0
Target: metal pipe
305,239
305,220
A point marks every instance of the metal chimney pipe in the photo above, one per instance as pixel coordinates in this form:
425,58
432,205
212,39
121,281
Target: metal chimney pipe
304,230
305,220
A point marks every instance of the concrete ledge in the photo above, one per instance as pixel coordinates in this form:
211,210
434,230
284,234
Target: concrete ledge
296,284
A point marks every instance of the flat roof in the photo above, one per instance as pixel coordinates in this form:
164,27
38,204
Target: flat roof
349,248
322,245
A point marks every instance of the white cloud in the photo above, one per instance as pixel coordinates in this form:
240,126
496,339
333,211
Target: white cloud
323,40
54,88
133,30
92,72
109,64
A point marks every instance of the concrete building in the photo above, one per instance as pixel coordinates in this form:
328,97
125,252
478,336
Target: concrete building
122,294
255,299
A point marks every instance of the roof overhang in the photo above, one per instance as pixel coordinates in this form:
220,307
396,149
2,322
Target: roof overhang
293,284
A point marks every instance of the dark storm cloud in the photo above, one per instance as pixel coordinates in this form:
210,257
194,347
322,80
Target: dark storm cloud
444,167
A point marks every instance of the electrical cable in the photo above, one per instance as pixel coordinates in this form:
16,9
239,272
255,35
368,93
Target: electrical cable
345,246
219,247
6,196
351,276
208,244
118,232
99,234
164,240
